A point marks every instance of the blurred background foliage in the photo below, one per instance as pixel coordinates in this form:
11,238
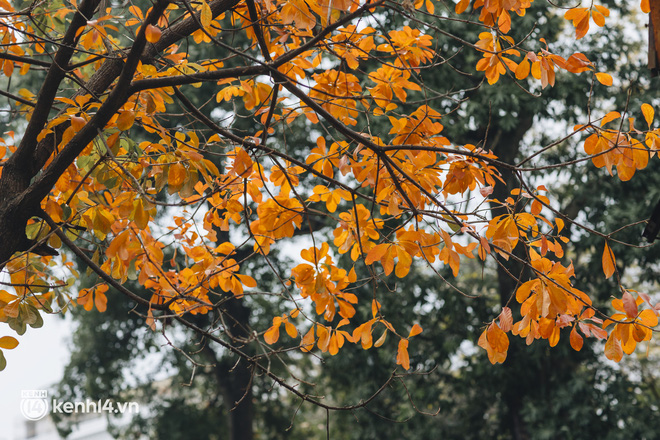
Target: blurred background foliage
539,393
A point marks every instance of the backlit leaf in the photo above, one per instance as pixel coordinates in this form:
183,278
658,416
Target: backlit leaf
608,261
416,329
402,357
613,349
629,305
576,340
152,33
604,78
649,113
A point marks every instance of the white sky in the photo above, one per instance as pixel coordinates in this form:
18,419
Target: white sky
36,363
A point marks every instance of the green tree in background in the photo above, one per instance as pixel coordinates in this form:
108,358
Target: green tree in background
582,397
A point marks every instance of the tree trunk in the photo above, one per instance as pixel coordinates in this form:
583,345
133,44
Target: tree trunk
235,379
506,145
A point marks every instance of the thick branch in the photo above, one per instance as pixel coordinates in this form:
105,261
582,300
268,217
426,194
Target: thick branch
21,159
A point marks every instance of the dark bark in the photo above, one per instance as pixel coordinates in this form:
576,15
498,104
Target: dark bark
235,379
506,145
24,182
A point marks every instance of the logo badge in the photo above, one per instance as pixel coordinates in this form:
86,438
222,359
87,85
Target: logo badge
34,404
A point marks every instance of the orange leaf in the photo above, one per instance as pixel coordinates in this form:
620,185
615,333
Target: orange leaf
613,349
599,19
629,305
582,26
243,163
291,329
77,123
523,69
609,262
603,10
273,334
139,215
497,338
604,78
576,340
463,4
308,340
152,33
649,113
416,329
506,319
8,342
248,281
100,300
125,120
375,307
648,318
176,175
402,357
610,117
646,8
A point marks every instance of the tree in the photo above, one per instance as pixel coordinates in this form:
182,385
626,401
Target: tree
236,188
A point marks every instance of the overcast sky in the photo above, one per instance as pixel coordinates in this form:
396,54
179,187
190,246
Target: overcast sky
36,363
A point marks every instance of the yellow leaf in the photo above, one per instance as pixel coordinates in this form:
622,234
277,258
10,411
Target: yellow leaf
7,342
206,16
649,113
604,78
381,340
609,262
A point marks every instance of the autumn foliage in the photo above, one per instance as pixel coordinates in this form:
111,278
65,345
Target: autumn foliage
102,169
